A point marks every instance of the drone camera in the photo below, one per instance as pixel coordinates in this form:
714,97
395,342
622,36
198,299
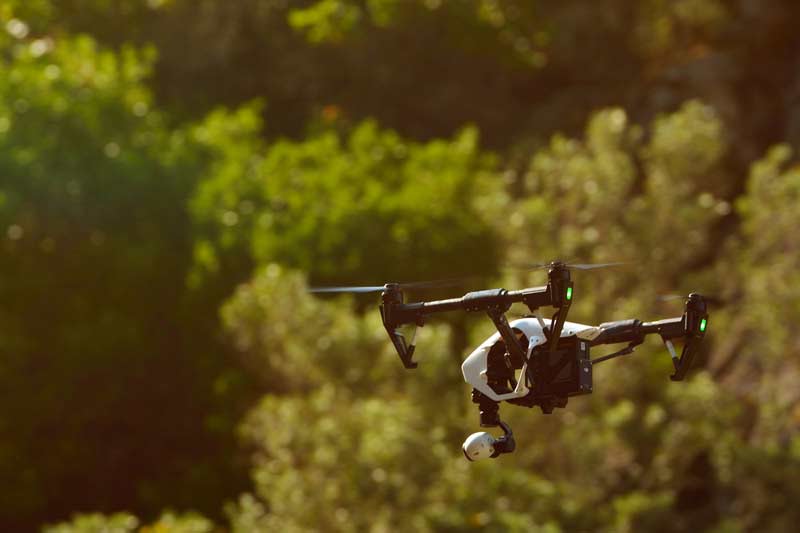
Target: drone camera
478,446
483,445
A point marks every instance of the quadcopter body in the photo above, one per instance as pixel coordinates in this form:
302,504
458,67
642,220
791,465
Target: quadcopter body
533,361
492,371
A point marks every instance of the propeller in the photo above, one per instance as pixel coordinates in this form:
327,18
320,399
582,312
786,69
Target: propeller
436,284
671,297
576,266
715,300
593,266
347,289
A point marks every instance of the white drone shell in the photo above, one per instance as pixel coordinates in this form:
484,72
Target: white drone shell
474,366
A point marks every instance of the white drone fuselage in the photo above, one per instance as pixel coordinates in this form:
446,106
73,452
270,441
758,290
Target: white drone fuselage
475,365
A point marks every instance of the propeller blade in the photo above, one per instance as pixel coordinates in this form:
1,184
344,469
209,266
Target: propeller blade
714,300
537,266
347,289
435,284
590,266
576,266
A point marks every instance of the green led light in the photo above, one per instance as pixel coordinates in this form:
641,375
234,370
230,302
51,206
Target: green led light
569,293
703,323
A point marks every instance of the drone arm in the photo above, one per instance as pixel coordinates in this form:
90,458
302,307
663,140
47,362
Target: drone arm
670,328
488,299
690,327
495,302
619,331
411,313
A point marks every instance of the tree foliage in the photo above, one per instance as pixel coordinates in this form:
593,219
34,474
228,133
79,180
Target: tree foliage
105,362
640,454
175,174
168,522
370,207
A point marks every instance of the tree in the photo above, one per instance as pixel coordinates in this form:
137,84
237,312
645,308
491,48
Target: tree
367,208
105,368
126,523
129,218
641,453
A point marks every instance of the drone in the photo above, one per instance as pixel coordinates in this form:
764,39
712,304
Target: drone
532,361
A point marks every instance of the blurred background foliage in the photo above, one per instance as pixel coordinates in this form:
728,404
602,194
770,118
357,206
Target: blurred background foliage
174,174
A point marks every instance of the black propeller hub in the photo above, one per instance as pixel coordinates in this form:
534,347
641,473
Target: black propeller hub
697,302
558,271
392,294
